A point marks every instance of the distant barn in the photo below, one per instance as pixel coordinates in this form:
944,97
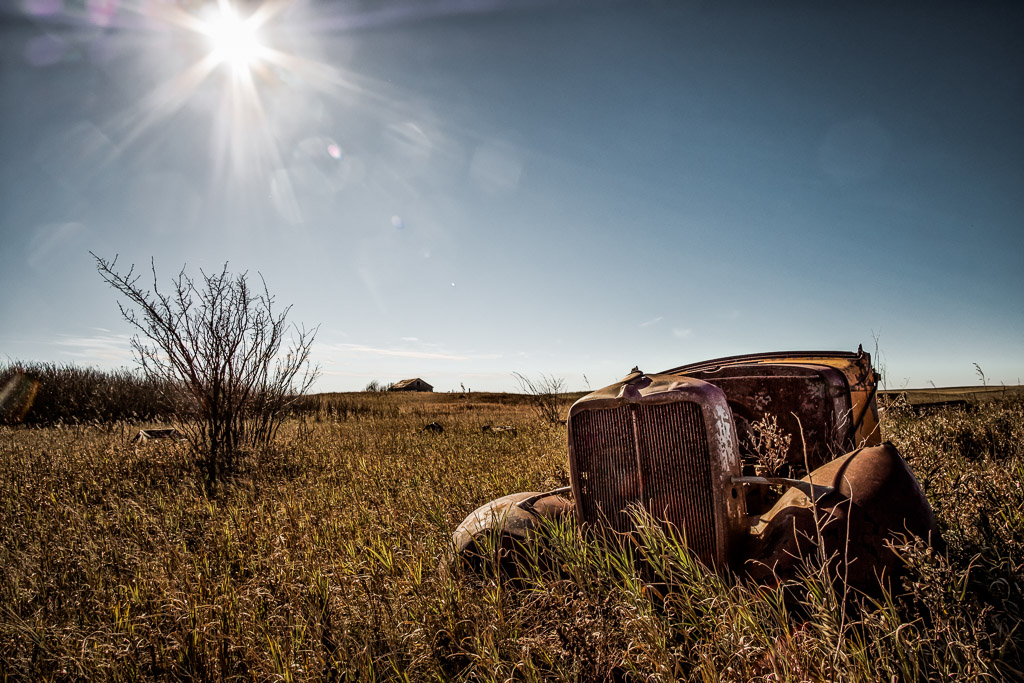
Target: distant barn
415,384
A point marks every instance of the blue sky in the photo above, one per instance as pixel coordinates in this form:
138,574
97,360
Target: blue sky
461,190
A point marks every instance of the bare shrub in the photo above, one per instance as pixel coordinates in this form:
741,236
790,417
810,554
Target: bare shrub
546,394
218,342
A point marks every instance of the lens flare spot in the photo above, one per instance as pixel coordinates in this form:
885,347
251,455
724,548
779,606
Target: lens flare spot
101,12
44,50
17,396
334,151
43,8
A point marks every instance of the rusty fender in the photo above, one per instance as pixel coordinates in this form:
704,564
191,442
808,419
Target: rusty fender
493,533
874,499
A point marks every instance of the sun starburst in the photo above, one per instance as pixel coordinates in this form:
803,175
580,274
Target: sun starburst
245,75
234,40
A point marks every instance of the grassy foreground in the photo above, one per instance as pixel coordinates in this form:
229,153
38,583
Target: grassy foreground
320,562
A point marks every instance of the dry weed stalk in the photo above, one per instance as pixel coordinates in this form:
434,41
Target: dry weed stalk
769,444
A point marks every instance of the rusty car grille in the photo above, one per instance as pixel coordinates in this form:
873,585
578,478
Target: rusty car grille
654,455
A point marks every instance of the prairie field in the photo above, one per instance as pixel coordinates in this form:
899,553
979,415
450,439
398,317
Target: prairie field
322,560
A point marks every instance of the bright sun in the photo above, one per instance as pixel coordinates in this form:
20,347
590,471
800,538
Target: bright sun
234,40
241,45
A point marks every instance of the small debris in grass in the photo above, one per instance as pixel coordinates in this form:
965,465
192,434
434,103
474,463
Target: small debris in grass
151,434
496,429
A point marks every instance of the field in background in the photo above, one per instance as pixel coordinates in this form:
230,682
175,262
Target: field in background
952,394
321,562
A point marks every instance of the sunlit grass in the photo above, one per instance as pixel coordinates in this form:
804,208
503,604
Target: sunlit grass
322,560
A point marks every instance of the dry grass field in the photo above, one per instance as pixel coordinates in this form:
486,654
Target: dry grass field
320,562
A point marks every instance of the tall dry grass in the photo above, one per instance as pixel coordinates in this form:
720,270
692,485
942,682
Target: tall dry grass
320,562
60,393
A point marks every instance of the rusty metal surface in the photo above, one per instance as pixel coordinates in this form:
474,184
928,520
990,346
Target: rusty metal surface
677,477
809,489
665,444
854,364
606,467
810,402
859,377
876,499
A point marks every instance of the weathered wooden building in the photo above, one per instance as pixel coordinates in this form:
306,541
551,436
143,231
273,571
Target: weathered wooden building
414,384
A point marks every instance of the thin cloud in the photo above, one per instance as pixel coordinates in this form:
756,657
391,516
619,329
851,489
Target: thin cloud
653,321
326,372
363,350
396,353
97,348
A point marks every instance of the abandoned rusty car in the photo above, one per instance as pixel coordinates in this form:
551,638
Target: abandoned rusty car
683,446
